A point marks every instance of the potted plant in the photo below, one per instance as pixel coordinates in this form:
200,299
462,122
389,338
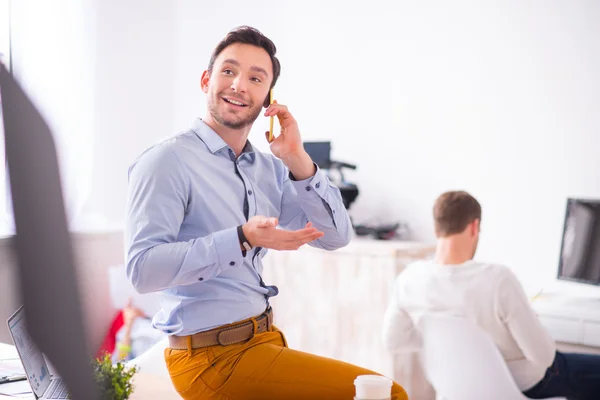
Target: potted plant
114,380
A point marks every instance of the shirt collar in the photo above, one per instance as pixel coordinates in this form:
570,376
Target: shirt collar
211,139
215,143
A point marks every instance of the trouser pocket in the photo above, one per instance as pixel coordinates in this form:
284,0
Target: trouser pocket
185,370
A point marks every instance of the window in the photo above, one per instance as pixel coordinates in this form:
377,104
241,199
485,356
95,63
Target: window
5,219
5,31
62,90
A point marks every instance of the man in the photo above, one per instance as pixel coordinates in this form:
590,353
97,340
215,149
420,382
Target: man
203,209
492,297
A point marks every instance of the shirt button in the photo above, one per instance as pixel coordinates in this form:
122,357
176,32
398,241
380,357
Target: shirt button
200,279
232,263
308,188
318,185
250,192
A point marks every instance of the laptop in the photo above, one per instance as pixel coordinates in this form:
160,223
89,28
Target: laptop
43,384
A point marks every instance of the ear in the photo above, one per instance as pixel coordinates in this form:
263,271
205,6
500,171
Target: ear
475,227
204,81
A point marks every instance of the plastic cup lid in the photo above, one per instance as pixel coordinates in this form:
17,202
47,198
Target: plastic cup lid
375,380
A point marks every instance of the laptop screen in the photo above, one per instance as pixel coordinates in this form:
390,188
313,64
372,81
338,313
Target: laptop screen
33,361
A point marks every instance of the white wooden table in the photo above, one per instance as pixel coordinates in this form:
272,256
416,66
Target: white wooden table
10,358
147,386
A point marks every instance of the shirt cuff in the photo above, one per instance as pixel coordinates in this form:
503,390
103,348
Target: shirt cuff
315,184
227,246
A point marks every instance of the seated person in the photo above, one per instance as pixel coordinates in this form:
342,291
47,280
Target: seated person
136,336
130,335
491,296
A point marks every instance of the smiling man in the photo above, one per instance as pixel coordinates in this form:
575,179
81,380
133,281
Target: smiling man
203,209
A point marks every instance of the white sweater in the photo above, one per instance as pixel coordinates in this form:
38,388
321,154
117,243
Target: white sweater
489,294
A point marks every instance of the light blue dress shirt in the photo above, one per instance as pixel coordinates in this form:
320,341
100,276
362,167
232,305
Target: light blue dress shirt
187,195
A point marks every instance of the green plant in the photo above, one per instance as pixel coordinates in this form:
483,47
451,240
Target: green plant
114,380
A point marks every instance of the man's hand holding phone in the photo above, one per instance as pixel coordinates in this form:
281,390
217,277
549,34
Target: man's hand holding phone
288,145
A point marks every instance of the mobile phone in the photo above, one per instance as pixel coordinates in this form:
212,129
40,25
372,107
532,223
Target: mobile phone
271,119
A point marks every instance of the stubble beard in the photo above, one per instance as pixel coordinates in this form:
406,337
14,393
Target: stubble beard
232,123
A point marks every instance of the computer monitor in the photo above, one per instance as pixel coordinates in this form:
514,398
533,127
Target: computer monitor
320,152
580,249
42,244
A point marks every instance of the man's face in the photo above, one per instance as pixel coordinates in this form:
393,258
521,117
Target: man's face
238,85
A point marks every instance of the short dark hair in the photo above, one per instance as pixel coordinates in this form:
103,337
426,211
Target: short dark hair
453,211
248,35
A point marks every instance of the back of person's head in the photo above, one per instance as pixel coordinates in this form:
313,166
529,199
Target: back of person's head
251,36
454,211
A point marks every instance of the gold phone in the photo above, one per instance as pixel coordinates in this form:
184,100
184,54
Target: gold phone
271,119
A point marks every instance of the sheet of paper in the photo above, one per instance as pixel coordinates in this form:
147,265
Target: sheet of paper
11,368
20,388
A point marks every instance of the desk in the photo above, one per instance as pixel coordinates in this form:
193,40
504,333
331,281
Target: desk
570,319
10,358
147,386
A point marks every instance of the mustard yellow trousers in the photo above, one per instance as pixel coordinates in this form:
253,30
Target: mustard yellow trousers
262,368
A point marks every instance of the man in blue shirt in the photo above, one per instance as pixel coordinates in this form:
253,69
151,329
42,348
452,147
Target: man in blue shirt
204,207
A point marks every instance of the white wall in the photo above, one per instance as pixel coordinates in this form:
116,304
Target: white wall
134,85
501,100
52,55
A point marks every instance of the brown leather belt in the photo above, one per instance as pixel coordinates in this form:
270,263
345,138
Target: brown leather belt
226,334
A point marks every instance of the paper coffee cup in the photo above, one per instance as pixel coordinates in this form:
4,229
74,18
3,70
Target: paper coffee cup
373,387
